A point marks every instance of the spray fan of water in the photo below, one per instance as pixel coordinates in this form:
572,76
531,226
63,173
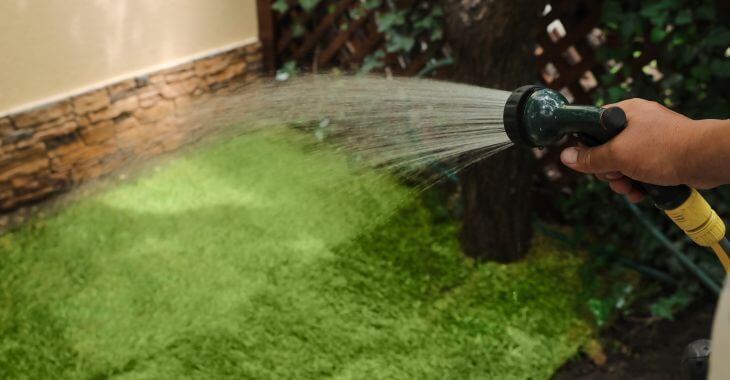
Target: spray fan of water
402,124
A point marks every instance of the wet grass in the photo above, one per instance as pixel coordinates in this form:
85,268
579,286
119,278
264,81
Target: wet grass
260,259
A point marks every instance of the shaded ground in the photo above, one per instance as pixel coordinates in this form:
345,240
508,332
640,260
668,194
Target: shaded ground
652,353
261,260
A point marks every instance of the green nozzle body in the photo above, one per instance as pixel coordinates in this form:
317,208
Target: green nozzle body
538,116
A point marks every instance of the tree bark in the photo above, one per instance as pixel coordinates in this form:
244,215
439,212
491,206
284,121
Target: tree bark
491,42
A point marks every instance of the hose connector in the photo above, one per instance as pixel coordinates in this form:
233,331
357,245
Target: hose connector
698,220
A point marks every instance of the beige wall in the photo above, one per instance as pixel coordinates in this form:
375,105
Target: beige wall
53,48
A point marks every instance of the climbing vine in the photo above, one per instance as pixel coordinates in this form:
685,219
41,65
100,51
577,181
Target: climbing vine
684,47
407,31
690,44
689,71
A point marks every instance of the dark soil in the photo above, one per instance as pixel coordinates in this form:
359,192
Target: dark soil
640,352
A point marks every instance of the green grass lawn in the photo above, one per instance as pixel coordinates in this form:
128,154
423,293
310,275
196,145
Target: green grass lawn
258,259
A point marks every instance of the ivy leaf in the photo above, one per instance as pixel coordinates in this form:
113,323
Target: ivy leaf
372,62
718,37
423,23
685,57
428,22
630,27
705,12
657,34
399,42
657,15
356,13
387,21
701,73
280,6
677,40
433,65
308,5
608,79
720,68
615,94
297,30
612,13
684,17
287,71
601,309
667,306
372,4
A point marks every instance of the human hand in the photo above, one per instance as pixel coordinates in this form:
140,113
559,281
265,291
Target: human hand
653,149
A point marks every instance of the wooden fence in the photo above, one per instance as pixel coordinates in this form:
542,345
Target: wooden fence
342,34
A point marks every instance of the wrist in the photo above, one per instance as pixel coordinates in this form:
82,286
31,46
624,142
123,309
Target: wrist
697,162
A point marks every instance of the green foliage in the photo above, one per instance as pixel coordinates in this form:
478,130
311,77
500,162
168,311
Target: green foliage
287,71
260,259
611,233
689,73
308,5
404,29
372,62
280,6
665,307
407,30
691,69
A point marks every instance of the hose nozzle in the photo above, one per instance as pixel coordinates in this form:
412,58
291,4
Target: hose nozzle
537,116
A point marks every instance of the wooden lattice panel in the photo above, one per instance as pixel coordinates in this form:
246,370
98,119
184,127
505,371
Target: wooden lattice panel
569,36
340,33
566,44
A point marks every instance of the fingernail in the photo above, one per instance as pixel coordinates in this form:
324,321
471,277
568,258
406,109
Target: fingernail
569,156
614,176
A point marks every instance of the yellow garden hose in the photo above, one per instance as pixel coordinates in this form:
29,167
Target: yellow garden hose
722,255
702,224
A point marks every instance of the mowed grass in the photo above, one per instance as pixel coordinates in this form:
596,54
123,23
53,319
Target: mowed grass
259,259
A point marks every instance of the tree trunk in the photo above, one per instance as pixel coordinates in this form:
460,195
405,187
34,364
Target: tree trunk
491,42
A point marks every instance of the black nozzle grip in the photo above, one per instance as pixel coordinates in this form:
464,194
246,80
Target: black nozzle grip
613,121
610,123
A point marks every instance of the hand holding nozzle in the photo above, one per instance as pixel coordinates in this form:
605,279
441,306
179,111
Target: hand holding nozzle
640,147
658,146
662,147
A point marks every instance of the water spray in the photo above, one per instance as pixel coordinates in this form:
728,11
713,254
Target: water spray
535,116
408,124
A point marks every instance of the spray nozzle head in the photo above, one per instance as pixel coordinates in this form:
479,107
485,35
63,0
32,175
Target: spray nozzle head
536,116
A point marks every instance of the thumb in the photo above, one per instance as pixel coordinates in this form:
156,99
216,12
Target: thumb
588,160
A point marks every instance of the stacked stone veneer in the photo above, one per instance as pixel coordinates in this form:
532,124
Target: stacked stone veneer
47,150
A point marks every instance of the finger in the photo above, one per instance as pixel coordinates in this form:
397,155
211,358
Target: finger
621,186
628,103
589,160
635,196
602,177
612,176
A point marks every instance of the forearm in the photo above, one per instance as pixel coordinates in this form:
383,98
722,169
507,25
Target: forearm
708,154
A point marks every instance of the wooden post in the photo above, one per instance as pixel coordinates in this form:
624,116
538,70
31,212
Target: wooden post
491,44
267,34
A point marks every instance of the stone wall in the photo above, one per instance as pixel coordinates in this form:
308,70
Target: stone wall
48,150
